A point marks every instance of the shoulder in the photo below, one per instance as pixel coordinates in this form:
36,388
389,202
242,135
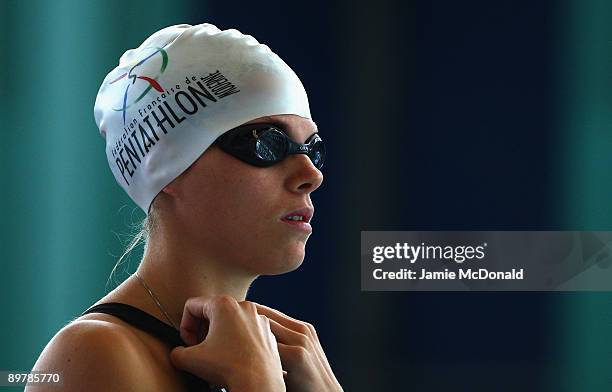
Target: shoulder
97,355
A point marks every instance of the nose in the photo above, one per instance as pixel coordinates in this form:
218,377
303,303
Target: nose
304,177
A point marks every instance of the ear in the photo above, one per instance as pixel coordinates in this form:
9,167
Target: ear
175,188
170,190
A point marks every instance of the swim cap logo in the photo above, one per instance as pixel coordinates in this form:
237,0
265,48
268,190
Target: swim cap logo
133,76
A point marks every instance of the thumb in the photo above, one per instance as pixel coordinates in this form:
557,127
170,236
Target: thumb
192,360
184,358
178,357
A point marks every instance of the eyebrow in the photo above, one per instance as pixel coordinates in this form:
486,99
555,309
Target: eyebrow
283,124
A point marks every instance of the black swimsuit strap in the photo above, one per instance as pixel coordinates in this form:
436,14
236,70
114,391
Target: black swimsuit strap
152,325
141,320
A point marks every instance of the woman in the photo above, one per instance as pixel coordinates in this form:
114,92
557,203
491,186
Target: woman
210,133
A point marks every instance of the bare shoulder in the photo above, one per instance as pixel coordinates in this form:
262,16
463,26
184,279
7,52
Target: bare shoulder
96,355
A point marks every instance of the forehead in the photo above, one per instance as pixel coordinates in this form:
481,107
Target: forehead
298,128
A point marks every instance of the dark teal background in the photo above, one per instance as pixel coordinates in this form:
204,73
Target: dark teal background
472,115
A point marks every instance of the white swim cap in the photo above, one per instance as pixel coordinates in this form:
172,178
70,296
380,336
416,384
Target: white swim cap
170,98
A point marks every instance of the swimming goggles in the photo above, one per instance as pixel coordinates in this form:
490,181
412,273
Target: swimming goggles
266,144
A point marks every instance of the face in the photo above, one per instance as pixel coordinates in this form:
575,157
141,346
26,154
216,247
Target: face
235,213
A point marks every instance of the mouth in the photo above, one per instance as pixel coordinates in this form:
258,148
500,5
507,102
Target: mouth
300,219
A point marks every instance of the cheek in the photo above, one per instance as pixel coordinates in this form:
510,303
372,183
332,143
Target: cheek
233,208
241,200
249,234
234,216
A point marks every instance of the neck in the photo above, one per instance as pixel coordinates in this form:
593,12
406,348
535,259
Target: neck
175,275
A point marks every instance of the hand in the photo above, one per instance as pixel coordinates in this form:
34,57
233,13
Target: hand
301,354
229,344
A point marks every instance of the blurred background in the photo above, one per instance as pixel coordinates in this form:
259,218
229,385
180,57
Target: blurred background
472,115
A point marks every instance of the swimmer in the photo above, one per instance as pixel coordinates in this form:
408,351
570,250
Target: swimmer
210,134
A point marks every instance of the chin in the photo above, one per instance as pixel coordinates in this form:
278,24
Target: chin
285,263
292,266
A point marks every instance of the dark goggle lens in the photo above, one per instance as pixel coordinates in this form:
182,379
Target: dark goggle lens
266,146
271,146
317,152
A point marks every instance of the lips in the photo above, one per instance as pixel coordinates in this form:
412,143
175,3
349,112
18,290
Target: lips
305,213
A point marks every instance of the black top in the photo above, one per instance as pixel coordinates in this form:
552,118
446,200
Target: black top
153,326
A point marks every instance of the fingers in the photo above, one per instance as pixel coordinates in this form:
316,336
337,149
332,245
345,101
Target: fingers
195,361
287,336
177,357
294,331
273,313
291,355
294,346
181,359
297,340
223,336
264,324
286,321
202,314
196,310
